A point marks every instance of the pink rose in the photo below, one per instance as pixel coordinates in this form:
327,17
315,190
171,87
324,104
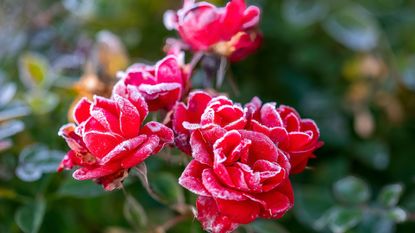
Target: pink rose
108,139
239,176
161,85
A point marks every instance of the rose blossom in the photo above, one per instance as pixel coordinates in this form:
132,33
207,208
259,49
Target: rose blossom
161,85
203,110
230,31
108,139
239,176
298,137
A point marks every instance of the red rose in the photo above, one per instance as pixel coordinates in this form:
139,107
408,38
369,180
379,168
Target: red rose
161,85
108,139
226,30
202,110
239,176
299,138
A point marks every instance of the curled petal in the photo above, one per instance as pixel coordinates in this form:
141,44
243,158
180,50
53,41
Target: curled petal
191,178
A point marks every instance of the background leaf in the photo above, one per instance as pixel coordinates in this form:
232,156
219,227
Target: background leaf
29,217
351,190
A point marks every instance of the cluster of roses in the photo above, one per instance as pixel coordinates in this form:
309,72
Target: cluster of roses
242,156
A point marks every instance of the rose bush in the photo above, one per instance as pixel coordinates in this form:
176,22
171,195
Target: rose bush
230,31
108,139
241,156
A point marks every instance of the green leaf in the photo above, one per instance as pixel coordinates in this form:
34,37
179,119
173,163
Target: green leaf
374,223
10,128
311,203
42,103
351,190
13,112
29,217
135,213
303,12
354,27
80,189
33,71
389,195
397,214
166,187
267,226
374,154
35,160
341,219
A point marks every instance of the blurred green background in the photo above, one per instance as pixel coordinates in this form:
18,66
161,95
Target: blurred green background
349,65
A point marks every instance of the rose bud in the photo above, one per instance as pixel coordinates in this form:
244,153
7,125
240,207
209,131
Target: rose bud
107,139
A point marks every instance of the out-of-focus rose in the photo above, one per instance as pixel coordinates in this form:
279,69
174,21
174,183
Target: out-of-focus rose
161,85
229,31
203,110
299,138
239,176
107,139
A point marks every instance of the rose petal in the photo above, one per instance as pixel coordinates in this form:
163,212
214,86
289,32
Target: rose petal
81,110
210,217
191,178
242,212
217,190
146,149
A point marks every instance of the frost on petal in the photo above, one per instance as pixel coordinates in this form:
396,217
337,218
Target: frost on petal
105,111
278,201
153,91
143,152
85,173
201,142
129,119
81,110
191,178
261,148
123,148
170,20
269,116
164,133
251,17
168,70
210,217
217,190
99,143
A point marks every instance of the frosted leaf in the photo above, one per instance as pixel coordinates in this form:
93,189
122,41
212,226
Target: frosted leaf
13,112
36,160
7,92
10,128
